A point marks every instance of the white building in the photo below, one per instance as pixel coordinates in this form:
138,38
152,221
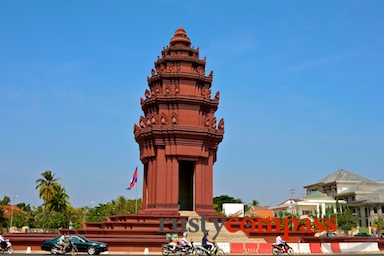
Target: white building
364,197
233,209
315,202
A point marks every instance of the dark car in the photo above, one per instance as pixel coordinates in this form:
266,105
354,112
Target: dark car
81,242
362,234
329,234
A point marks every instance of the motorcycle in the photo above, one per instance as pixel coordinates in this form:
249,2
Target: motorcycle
173,248
177,249
277,250
215,250
9,248
58,249
191,249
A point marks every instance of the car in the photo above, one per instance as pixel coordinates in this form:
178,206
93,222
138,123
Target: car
82,243
329,234
362,234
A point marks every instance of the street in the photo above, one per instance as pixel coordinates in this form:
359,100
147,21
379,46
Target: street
239,254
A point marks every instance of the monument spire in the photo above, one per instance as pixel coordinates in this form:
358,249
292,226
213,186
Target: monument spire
178,133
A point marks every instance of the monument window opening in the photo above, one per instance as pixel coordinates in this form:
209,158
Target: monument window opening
186,176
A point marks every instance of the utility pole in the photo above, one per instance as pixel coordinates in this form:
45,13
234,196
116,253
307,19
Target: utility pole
292,192
12,206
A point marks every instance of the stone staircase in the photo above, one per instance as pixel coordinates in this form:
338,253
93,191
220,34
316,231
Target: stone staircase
223,237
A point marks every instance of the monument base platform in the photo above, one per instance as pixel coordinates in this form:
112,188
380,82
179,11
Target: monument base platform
138,232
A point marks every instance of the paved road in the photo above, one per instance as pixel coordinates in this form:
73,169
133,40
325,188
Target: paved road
238,254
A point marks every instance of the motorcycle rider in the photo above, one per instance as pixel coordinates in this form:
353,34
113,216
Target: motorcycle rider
280,242
205,241
172,242
184,241
63,241
3,244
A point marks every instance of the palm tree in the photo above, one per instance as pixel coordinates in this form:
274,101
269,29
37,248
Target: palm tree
59,202
48,186
379,223
255,202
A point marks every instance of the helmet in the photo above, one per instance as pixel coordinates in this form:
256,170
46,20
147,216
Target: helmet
185,234
206,233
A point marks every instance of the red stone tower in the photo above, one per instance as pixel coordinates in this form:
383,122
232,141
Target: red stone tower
178,135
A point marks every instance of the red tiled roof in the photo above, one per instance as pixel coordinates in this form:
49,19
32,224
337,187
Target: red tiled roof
7,209
261,211
295,200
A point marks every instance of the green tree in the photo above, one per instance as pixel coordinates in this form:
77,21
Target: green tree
379,223
25,207
20,219
255,202
248,206
288,215
346,220
76,216
50,220
329,213
54,211
48,185
3,220
115,207
59,201
6,201
220,200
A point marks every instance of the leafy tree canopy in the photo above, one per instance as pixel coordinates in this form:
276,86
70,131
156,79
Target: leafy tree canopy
220,200
6,201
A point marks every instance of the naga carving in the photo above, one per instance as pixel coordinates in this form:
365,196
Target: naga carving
209,94
142,122
221,124
217,96
148,123
206,121
136,128
154,119
147,94
163,119
175,118
213,125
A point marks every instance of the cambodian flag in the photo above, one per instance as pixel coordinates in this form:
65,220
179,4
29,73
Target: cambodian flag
133,180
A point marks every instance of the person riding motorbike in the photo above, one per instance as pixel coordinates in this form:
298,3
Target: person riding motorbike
3,244
205,241
63,241
280,242
184,241
172,241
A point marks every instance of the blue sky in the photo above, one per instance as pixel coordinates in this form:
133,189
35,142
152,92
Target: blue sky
301,85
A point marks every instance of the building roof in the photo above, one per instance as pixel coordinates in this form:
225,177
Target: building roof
287,202
9,209
261,212
364,186
317,196
341,175
375,197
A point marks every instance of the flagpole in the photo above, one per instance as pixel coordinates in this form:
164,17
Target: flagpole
136,201
133,183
